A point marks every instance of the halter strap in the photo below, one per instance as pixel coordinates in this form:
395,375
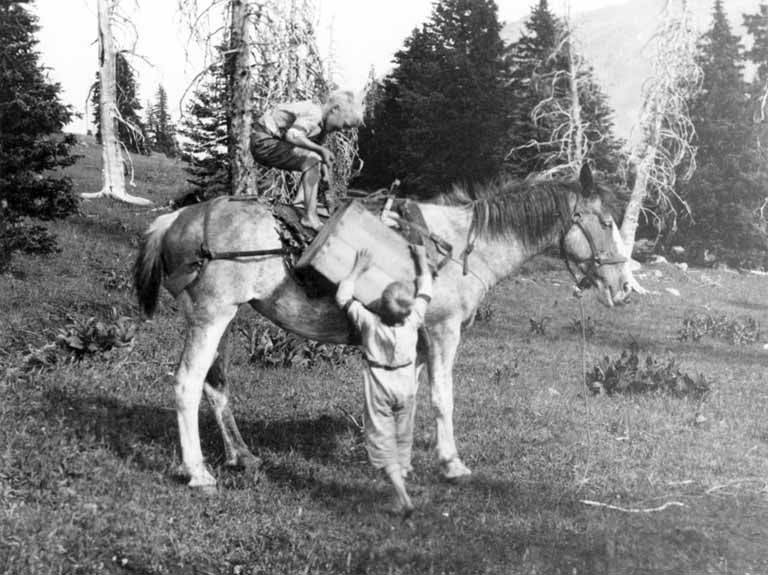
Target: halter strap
594,258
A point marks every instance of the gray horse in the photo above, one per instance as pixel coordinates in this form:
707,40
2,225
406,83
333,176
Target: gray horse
504,223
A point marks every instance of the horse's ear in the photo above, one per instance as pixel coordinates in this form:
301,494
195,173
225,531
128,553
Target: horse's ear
586,181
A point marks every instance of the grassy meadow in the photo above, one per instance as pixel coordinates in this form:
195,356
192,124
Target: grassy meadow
88,447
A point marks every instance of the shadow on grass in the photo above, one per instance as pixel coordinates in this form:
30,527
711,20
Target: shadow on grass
132,430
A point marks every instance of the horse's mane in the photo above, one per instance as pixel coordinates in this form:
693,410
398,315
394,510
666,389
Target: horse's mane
506,206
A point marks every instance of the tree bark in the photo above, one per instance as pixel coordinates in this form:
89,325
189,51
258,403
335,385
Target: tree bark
111,152
240,106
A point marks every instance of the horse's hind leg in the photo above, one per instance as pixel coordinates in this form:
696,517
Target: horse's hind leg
206,327
217,393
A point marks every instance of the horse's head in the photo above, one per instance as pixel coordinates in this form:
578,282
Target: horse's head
592,242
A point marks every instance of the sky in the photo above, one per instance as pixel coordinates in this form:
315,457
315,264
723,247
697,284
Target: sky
359,33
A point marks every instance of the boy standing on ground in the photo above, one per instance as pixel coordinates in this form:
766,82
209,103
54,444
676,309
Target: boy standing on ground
389,344
289,137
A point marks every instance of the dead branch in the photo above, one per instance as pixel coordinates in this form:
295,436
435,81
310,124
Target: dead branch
633,509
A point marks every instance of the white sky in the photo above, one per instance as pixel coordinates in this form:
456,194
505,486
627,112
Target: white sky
361,34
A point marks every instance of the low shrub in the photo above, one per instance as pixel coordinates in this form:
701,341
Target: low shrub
484,312
93,336
735,330
274,347
538,326
632,374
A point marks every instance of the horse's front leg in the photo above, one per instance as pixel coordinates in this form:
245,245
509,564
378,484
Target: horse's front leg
217,393
442,342
205,329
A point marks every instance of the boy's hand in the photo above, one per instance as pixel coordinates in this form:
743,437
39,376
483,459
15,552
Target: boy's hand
363,261
327,156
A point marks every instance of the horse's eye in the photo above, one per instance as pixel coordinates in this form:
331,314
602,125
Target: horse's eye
607,223
576,215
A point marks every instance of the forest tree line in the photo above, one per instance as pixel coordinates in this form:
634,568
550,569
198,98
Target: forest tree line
460,104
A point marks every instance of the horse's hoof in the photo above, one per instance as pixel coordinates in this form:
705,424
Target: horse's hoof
455,471
249,462
201,478
246,461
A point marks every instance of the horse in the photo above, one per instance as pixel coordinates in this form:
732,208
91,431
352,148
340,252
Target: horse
495,227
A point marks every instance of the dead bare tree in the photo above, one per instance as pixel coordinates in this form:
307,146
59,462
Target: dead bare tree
567,143
274,47
239,101
113,151
664,152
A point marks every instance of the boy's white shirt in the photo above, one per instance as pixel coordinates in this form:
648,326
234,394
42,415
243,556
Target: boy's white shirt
384,344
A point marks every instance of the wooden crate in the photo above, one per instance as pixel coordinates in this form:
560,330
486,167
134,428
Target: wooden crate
332,253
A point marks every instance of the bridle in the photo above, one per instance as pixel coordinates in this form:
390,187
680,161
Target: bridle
595,260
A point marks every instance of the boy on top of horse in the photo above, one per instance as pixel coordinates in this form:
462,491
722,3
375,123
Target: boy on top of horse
289,137
389,345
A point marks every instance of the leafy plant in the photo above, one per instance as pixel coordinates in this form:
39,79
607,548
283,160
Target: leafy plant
94,336
734,330
484,313
274,347
539,326
632,374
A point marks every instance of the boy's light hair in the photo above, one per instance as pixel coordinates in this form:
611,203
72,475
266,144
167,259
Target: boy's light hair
396,303
351,107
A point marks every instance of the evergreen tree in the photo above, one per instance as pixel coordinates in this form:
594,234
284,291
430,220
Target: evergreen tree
131,130
441,116
149,125
31,143
164,131
726,186
204,128
540,86
719,112
757,27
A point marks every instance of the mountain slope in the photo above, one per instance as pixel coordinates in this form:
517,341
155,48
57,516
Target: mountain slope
617,41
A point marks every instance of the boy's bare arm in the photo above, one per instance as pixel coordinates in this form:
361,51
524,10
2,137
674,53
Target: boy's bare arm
298,138
424,277
347,285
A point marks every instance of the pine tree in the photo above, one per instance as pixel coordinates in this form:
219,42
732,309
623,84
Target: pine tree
131,129
724,189
164,131
540,87
757,27
149,125
441,117
205,130
719,112
31,143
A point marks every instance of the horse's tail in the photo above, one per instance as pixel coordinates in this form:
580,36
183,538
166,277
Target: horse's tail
148,269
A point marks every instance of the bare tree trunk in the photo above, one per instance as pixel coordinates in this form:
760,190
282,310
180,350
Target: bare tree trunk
111,152
644,164
240,106
578,125
636,199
